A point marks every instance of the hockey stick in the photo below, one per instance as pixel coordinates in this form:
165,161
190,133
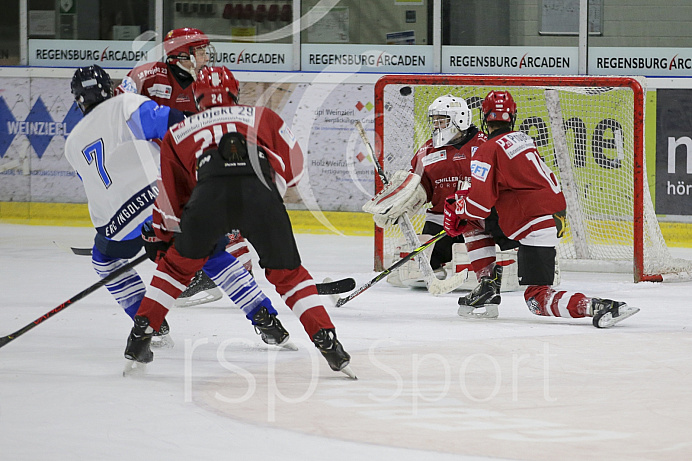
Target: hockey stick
434,285
335,287
391,268
82,294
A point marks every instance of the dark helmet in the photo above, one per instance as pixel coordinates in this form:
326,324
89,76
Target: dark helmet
215,86
91,85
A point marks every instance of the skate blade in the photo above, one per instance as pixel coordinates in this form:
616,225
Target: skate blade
162,342
287,345
470,312
607,320
349,372
203,297
134,368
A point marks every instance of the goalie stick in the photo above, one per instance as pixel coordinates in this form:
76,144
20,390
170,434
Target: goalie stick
391,268
82,294
435,286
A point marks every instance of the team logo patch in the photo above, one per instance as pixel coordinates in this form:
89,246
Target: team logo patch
459,156
128,85
182,98
479,170
287,135
158,90
434,157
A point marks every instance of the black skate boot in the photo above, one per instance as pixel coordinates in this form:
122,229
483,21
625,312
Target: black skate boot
486,294
332,350
606,312
270,328
201,290
138,342
162,339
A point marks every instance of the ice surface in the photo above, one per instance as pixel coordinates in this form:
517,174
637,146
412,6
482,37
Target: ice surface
432,386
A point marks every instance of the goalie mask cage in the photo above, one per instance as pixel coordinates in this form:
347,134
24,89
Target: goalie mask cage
590,132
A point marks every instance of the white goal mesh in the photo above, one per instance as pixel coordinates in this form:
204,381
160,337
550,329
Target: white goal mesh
590,132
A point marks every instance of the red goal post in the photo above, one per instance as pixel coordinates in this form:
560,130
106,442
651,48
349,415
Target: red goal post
590,131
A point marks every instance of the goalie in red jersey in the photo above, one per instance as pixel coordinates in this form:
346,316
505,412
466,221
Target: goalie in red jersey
226,168
508,173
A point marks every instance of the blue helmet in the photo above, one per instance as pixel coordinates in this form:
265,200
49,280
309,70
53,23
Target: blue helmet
90,86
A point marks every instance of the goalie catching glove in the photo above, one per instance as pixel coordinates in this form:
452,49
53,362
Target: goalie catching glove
154,247
403,194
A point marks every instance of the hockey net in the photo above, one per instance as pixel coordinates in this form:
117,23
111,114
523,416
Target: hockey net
590,132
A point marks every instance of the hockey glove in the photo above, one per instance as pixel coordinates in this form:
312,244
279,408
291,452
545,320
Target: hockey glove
403,194
154,247
454,226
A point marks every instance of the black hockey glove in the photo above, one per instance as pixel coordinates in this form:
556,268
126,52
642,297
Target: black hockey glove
153,246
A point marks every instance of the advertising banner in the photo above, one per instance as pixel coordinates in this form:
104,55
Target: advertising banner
552,60
37,115
105,53
674,152
367,58
254,56
649,62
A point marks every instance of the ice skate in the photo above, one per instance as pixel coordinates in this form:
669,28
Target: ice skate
482,302
271,330
607,312
137,349
162,338
201,290
332,350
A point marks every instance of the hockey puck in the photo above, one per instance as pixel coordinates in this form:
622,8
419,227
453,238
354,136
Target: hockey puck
405,90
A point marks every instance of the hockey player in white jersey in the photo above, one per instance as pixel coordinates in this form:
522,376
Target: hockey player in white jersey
111,152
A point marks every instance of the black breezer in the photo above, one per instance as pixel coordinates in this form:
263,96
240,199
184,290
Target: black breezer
492,226
229,196
442,251
536,265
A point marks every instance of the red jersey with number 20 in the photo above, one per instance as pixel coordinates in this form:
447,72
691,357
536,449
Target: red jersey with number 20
507,172
186,141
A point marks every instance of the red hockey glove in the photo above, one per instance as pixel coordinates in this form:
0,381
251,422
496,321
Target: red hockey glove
154,247
453,224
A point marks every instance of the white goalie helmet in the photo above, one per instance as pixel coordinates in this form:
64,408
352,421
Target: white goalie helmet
455,120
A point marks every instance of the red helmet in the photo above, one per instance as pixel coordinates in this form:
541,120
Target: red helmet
184,40
499,106
215,86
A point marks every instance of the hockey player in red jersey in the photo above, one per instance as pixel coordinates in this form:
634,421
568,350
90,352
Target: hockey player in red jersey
170,84
443,163
225,168
508,173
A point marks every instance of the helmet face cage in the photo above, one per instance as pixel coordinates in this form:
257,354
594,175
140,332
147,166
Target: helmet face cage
90,86
498,106
215,86
457,116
